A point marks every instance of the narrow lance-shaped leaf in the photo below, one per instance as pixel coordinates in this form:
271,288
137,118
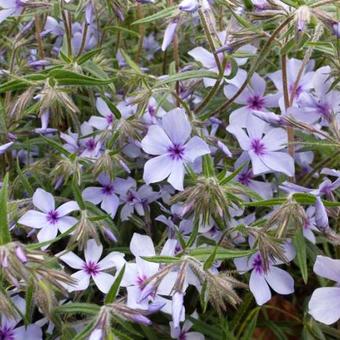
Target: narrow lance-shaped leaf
111,295
5,235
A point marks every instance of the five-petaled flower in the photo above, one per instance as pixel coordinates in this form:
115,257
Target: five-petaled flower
173,148
50,219
92,267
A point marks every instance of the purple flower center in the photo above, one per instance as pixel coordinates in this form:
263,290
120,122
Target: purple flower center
130,197
91,268
298,90
258,147
245,177
176,151
152,110
52,217
6,333
324,110
107,189
90,144
257,264
182,336
256,102
109,119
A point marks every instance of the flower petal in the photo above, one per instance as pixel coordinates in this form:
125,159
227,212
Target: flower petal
68,207
72,260
33,219
177,126
93,195
280,162
93,251
82,281
326,267
43,200
103,281
324,305
110,204
196,147
156,142
65,223
112,260
280,281
176,177
157,169
259,287
142,245
47,233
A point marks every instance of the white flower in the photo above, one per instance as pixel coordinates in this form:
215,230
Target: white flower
92,267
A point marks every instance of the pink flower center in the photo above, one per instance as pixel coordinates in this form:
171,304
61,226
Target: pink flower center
91,268
258,147
141,280
176,151
255,102
52,217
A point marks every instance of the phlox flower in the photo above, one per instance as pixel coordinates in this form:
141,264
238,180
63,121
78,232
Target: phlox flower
305,84
173,148
263,145
323,104
252,98
104,122
8,325
86,145
184,333
136,274
92,267
260,279
11,8
107,193
5,147
136,199
324,305
49,219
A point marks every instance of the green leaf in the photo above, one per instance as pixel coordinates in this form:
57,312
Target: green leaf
65,77
5,235
56,146
78,308
112,107
130,62
111,295
164,13
299,243
161,259
77,194
188,75
221,253
122,29
23,179
211,259
208,166
87,56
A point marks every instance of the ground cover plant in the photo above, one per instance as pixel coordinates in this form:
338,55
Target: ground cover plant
169,169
